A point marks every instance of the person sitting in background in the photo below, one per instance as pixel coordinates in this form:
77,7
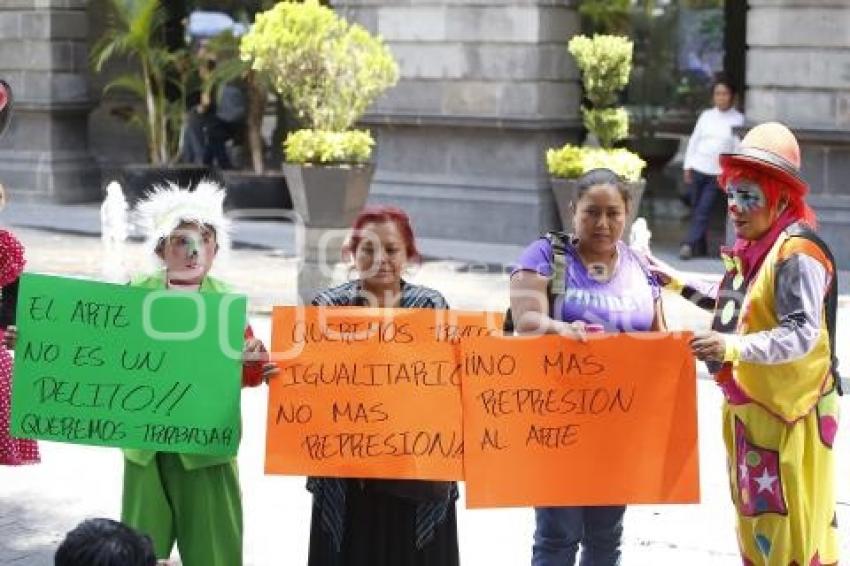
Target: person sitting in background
227,119
216,115
104,542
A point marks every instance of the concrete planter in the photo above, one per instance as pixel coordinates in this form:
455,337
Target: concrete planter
328,196
566,192
258,191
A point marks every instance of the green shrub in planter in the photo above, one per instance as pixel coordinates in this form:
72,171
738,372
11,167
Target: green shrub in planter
572,161
623,162
605,62
325,69
320,146
609,124
567,162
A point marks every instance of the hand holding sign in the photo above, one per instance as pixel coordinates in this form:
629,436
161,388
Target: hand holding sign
369,393
557,422
120,366
546,420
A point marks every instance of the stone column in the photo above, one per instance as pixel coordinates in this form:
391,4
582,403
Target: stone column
44,57
798,72
486,87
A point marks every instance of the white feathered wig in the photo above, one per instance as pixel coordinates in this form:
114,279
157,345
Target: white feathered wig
166,207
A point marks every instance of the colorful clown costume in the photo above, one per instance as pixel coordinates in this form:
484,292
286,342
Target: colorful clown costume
781,411
193,500
771,351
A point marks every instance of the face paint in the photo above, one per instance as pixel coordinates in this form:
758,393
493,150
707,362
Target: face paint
185,244
191,248
745,196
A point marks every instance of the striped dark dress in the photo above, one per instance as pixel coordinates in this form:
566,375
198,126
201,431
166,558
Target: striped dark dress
382,522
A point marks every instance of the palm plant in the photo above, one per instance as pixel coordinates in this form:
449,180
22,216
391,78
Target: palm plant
135,30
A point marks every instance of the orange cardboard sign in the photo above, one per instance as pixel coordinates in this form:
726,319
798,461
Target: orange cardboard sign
549,421
369,393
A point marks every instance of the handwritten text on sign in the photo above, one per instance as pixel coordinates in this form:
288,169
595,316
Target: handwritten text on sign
369,393
120,366
556,422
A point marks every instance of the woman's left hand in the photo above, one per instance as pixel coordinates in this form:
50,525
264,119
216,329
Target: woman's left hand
709,346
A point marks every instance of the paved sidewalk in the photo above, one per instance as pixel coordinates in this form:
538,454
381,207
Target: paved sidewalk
275,233
39,504
278,235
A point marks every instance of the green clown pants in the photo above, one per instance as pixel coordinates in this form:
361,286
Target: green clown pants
200,509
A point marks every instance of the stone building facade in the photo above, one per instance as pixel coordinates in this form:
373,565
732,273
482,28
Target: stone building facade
487,86
798,72
44,57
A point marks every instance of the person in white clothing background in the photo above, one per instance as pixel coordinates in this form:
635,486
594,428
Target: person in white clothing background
713,134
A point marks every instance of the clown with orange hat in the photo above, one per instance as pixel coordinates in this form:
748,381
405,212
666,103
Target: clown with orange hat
772,352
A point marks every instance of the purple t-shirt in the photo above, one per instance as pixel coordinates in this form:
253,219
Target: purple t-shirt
626,302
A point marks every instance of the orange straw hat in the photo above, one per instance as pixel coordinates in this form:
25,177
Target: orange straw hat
770,148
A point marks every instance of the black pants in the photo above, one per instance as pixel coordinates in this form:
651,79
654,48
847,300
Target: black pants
380,530
218,132
704,191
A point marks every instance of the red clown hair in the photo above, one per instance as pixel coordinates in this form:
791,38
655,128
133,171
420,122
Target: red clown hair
773,188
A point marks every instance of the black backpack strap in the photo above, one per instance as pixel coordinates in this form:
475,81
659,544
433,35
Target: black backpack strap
802,231
560,242
557,288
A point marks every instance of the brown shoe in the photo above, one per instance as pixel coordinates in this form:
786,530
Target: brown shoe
685,252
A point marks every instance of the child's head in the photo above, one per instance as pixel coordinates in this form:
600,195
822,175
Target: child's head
188,252
186,230
104,542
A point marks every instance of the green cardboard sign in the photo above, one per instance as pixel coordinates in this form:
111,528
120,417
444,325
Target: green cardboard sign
114,365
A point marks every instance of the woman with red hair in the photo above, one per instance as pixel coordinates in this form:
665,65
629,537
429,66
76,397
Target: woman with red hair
771,351
360,522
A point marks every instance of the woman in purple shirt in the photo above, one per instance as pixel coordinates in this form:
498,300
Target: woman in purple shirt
607,287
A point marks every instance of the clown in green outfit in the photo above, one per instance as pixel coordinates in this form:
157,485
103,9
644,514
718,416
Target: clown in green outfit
193,500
